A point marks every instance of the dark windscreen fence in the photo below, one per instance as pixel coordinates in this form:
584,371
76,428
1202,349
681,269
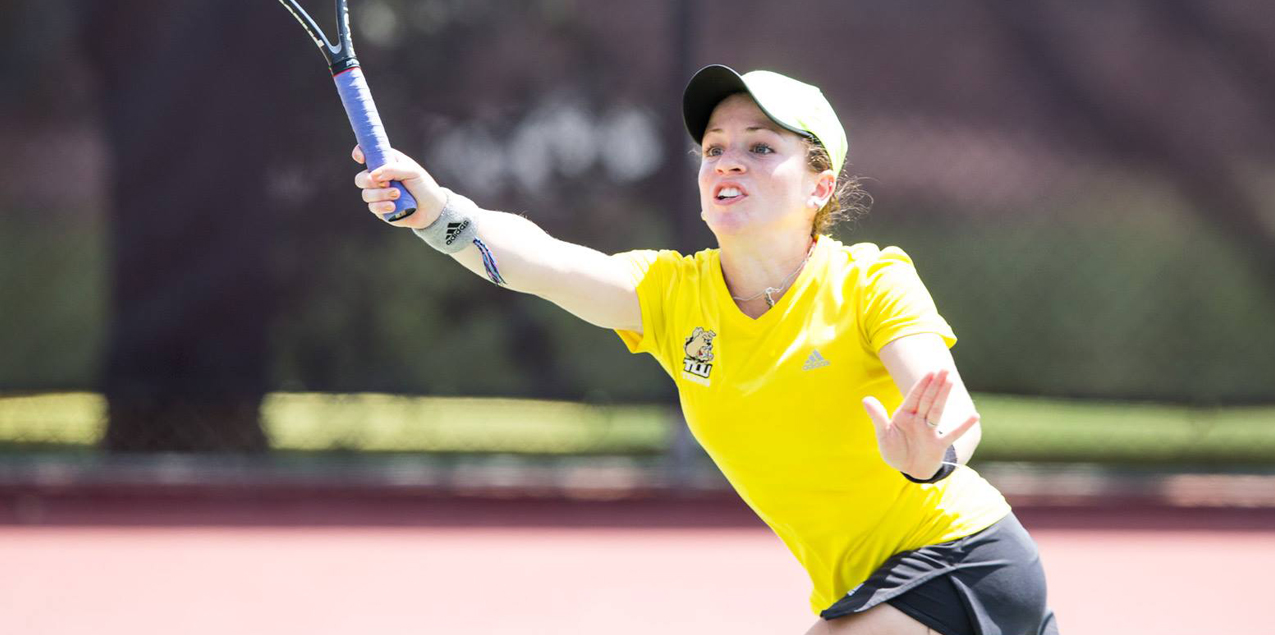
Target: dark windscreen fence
1086,190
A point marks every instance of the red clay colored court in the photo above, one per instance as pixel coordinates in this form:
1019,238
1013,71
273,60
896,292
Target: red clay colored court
553,566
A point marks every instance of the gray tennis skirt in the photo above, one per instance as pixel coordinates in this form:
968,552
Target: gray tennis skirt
987,583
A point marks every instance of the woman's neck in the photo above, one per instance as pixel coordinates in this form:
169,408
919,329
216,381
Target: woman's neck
759,273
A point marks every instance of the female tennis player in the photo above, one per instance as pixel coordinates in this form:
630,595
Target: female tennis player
770,338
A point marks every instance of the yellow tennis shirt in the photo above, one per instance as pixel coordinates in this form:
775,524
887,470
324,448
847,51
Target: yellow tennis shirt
776,403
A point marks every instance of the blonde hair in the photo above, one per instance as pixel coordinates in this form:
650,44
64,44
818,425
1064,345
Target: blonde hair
849,201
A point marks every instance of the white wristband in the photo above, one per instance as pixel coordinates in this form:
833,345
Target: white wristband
454,229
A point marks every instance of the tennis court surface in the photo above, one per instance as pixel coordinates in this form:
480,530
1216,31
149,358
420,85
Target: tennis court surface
138,564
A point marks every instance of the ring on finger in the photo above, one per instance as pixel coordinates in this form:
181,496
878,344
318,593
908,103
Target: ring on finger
932,424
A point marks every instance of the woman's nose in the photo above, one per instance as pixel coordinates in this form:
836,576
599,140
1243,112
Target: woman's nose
730,161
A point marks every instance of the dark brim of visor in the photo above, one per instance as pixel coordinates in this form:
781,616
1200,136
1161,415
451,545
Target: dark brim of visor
709,87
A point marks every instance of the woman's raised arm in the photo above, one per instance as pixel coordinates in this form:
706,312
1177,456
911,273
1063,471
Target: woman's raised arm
591,285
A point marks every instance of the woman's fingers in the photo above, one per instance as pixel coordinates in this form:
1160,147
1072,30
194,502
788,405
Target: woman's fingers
932,388
378,194
913,401
398,167
950,437
876,412
394,172
934,416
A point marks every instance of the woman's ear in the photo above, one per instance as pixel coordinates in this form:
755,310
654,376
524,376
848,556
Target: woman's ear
825,186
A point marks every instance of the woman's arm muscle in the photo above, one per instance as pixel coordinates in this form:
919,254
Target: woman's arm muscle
591,285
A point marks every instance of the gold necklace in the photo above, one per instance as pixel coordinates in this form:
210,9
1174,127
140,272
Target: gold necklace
770,300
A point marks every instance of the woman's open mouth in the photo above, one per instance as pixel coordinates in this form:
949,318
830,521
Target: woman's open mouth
727,194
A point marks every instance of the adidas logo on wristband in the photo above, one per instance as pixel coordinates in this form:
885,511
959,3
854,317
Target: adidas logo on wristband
454,230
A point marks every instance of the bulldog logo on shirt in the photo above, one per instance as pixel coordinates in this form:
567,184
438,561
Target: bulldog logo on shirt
697,364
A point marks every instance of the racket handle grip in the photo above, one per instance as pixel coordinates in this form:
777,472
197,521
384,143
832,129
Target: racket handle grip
370,133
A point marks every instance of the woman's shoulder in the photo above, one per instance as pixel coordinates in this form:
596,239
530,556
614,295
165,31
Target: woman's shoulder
866,258
669,264
670,255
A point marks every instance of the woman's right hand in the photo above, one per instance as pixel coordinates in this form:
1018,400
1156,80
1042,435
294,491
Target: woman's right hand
379,196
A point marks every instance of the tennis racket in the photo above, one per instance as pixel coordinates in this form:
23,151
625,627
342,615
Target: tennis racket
355,96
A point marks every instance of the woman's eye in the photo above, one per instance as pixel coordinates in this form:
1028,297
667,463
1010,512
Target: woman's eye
712,151
762,148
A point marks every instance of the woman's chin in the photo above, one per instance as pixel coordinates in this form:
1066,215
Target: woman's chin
725,224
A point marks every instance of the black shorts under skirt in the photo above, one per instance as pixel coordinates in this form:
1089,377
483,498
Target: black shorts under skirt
987,583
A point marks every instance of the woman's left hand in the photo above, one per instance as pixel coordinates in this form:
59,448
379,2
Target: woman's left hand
911,441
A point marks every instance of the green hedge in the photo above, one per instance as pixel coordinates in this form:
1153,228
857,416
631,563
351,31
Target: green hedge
1015,428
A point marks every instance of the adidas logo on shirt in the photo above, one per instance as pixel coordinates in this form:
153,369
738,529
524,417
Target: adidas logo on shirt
815,361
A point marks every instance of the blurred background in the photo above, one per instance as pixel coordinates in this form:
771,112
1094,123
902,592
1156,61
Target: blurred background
200,324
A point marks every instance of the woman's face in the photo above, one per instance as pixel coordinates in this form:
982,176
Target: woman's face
754,174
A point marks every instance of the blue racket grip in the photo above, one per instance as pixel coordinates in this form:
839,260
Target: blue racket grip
370,133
